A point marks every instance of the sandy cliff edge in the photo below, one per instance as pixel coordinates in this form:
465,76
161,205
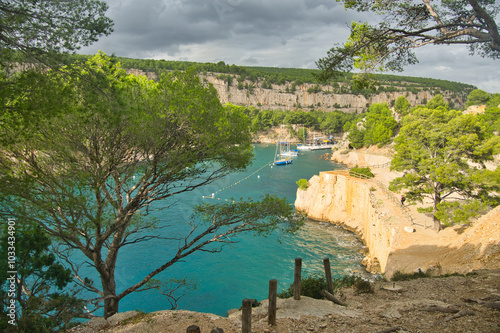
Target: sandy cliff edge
394,243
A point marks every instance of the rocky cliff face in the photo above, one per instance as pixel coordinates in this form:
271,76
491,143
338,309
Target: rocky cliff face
346,201
278,98
393,243
304,96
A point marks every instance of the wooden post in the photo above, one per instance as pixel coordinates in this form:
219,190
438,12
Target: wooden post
328,274
273,294
296,279
332,298
246,316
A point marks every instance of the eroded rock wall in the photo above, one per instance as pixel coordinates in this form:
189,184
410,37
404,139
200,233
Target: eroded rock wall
393,241
277,96
306,95
348,201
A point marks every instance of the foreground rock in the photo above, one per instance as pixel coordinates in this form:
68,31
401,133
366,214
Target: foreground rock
454,304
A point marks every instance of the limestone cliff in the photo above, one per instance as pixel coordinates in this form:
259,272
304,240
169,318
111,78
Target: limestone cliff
347,201
277,96
306,96
393,241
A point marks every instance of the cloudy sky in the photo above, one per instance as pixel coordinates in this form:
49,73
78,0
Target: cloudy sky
273,33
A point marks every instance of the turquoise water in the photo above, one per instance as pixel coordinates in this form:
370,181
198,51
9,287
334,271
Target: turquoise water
241,270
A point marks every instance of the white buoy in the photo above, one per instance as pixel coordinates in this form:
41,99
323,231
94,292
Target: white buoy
258,176
213,195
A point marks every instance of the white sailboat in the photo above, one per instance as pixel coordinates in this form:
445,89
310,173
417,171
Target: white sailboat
286,151
280,157
305,145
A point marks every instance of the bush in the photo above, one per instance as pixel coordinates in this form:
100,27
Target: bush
359,284
302,183
398,276
363,287
363,171
312,286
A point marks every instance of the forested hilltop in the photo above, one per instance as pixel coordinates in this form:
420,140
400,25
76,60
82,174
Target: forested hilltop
293,88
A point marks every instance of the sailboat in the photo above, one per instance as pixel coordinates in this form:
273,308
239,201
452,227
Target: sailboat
304,146
279,159
286,151
317,144
280,155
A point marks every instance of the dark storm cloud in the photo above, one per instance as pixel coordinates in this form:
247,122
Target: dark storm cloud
162,26
277,33
142,27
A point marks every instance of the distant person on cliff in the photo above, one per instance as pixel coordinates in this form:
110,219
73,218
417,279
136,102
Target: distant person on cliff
403,199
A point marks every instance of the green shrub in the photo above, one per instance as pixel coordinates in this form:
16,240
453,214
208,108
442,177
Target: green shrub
363,287
303,184
363,171
358,283
312,286
398,276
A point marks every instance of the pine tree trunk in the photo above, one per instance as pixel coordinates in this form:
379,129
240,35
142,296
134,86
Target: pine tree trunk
110,307
437,223
109,291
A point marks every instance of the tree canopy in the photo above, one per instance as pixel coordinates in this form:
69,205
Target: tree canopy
34,36
406,25
477,97
442,154
42,306
39,28
377,126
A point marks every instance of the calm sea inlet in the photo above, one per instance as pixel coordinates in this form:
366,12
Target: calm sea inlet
241,270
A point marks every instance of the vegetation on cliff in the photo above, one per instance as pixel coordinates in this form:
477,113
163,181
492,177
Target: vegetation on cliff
442,154
376,127
248,78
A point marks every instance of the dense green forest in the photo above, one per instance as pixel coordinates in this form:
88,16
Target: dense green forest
376,126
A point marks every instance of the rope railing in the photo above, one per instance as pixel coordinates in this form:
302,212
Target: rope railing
381,166
236,183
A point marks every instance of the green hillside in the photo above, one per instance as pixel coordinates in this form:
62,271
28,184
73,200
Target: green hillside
267,76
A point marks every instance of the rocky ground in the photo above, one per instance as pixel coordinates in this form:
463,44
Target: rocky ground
452,304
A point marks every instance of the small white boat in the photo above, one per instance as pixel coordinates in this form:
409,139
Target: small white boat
283,151
290,153
304,147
